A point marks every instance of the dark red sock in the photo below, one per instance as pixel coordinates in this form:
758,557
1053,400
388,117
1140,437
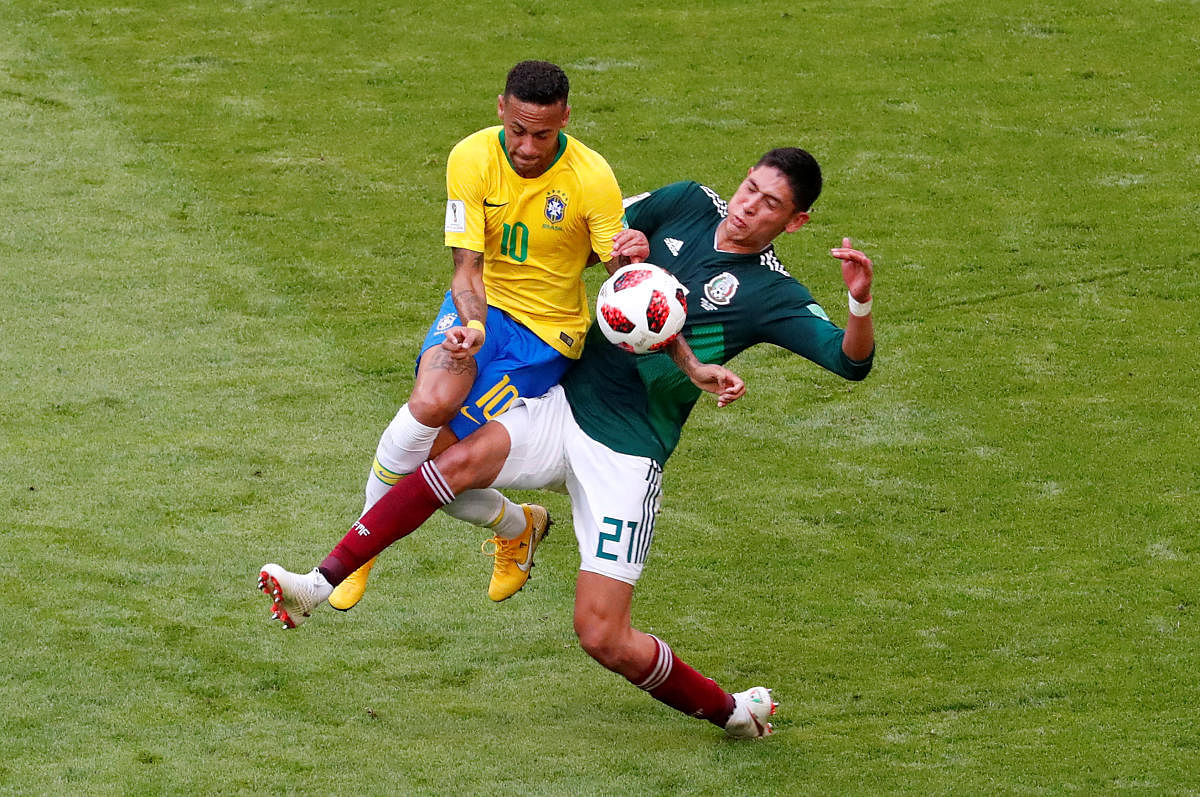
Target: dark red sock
671,681
400,511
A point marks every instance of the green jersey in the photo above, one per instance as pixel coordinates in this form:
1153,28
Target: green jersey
637,404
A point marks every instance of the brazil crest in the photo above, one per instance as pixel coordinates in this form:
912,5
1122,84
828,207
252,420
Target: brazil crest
556,207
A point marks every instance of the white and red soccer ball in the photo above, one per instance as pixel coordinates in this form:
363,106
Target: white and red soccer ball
641,308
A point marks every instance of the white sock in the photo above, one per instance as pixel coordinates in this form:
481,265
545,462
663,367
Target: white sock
488,508
375,490
404,445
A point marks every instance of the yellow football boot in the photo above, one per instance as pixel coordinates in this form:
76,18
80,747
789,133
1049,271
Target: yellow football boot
513,558
350,592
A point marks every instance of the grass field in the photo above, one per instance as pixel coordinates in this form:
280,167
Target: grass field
976,572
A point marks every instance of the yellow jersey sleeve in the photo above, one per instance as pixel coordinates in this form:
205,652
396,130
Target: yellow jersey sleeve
467,178
605,210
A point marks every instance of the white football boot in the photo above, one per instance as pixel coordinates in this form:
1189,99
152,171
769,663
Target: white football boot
750,712
293,595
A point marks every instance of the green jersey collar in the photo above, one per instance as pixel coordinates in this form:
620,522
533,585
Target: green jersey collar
562,147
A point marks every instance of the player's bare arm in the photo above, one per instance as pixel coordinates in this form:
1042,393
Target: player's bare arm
857,273
629,246
727,386
610,266
470,300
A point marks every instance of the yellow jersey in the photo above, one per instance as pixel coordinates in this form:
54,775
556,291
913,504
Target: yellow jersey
536,234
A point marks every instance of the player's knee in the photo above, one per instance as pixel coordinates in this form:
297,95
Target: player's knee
455,465
433,407
601,643
472,462
597,645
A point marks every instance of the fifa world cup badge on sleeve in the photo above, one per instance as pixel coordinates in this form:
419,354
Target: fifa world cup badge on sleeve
456,216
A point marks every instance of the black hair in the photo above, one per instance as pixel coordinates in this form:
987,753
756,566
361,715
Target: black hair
802,171
539,82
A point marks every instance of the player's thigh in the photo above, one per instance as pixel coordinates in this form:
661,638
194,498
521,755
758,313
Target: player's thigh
442,385
614,501
475,461
536,456
443,382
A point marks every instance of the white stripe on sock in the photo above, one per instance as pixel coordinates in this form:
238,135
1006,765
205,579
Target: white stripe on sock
433,477
662,667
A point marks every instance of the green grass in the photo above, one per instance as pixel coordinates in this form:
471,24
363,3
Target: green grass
973,573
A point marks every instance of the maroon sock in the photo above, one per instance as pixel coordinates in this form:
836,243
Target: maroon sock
671,681
400,511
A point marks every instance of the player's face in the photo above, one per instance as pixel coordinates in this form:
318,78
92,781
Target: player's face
761,209
531,133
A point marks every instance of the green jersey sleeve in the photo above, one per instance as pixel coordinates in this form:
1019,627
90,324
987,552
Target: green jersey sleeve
797,323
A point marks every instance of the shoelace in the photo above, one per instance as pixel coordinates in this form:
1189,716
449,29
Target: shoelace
500,550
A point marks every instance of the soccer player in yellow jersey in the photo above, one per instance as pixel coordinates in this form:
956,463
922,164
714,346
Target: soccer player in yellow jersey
528,208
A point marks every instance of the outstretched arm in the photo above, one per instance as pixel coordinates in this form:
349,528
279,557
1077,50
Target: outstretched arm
727,386
858,273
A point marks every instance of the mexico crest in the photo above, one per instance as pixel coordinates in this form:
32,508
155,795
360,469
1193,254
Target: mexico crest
721,288
556,207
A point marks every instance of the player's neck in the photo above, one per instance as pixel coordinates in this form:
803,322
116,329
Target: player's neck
723,243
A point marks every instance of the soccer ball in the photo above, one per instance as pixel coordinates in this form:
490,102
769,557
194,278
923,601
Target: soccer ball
641,308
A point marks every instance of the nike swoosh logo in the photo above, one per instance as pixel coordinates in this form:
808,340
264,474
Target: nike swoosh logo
472,418
487,204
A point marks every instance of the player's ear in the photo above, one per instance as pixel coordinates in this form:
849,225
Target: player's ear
566,115
797,221
500,106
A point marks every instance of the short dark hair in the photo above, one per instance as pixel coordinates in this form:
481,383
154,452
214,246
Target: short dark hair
539,82
802,171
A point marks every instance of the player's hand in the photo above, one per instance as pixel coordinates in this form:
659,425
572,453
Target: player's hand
631,245
463,342
727,386
857,271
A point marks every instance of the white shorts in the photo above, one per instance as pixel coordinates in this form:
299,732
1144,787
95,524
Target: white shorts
614,497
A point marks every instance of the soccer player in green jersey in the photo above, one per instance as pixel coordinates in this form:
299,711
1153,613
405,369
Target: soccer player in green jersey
607,430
